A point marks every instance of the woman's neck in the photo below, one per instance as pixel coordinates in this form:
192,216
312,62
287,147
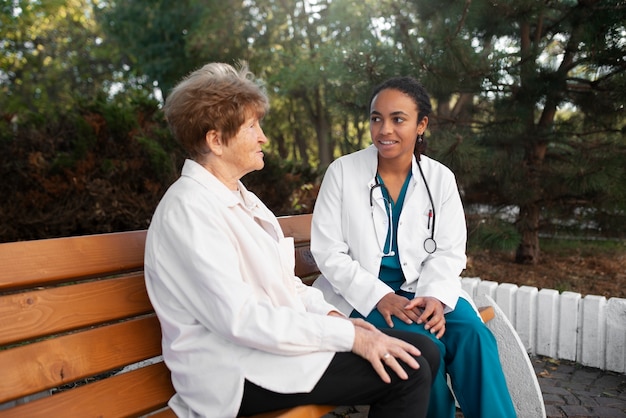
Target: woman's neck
393,176
395,168
220,172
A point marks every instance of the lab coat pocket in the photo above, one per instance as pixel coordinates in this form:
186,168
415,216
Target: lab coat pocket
428,218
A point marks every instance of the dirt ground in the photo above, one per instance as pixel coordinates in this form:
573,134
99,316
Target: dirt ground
600,274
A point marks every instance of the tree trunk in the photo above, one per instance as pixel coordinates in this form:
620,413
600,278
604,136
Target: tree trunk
534,153
537,141
281,144
529,211
322,128
528,226
324,143
320,118
301,146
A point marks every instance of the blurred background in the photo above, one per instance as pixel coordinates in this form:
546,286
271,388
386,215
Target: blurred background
528,102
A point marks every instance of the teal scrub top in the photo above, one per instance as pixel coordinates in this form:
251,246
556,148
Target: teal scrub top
390,271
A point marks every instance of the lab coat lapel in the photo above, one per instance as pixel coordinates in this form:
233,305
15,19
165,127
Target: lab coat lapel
280,287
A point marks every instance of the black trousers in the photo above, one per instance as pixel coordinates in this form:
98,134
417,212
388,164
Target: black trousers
351,380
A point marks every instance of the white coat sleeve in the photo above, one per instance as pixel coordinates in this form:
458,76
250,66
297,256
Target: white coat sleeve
440,275
313,299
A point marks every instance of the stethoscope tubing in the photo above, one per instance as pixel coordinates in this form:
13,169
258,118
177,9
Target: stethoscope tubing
430,245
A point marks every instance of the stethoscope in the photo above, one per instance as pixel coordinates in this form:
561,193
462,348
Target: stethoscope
430,245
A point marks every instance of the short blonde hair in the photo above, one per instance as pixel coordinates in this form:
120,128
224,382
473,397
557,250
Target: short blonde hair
215,97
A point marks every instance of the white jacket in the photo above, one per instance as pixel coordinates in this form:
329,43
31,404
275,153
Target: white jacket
220,277
348,234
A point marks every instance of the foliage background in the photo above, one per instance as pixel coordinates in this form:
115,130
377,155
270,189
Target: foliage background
529,106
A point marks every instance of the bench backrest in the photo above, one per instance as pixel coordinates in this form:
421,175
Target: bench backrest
74,315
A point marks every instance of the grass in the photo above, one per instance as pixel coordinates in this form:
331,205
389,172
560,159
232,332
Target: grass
582,247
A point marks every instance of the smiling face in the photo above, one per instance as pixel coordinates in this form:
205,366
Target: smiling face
394,126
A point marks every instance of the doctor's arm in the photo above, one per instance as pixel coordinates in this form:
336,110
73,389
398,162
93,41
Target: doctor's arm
440,285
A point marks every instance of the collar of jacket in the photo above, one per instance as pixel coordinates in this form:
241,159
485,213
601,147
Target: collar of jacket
201,175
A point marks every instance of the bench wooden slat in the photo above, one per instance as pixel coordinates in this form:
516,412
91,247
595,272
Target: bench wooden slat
35,263
54,362
42,312
487,313
297,226
126,395
73,310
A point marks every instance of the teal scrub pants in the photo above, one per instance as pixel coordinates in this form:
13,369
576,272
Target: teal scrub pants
469,354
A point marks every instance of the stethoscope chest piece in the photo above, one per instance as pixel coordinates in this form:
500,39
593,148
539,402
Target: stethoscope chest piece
430,245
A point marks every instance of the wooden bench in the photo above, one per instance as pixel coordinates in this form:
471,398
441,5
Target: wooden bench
74,315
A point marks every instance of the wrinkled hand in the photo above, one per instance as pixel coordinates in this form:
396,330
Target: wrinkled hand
431,314
382,350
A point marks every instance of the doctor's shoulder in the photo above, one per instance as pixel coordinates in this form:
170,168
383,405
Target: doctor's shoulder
436,168
358,160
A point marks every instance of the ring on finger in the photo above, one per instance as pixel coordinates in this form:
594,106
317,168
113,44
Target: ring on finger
386,356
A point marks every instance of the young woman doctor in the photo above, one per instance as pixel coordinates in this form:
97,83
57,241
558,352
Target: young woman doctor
389,237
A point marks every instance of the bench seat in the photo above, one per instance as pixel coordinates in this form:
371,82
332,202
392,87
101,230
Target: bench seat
75,314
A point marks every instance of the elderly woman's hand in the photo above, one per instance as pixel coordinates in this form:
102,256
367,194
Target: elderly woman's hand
382,350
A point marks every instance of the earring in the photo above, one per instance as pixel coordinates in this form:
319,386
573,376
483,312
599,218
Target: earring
420,138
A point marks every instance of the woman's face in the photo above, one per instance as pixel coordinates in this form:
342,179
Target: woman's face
393,124
243,153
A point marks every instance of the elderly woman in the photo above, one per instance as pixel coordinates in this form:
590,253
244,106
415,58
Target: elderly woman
241,334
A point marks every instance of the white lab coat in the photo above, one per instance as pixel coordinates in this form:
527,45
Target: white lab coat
348,235
220,275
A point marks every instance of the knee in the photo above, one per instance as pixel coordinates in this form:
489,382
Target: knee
432,349
431,353
428,366
423,376
473,334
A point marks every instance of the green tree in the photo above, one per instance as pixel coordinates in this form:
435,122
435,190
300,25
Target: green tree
51,54
289,53
528,106
296,47
359,57
154,38
504,84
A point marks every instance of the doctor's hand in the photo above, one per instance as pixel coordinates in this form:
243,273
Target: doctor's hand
383,350
395,305
432,314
